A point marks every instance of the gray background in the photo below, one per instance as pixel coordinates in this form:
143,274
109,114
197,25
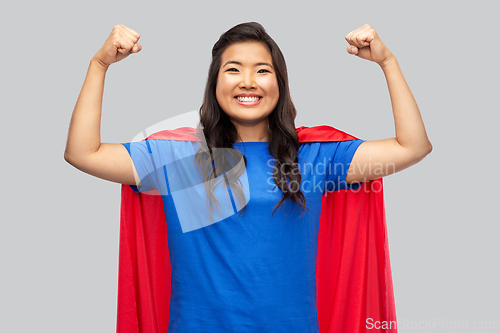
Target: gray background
60,227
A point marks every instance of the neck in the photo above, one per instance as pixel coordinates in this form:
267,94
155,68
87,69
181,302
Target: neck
259,133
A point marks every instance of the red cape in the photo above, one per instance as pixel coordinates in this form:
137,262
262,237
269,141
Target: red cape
353,273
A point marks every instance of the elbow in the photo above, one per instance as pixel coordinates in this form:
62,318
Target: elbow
66,157
69,158
428,148
417,154
424,151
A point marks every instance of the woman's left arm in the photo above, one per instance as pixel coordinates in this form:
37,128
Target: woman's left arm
379,158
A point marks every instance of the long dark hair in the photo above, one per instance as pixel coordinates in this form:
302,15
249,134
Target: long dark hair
220,132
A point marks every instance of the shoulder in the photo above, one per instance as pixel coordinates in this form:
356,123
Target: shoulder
329,149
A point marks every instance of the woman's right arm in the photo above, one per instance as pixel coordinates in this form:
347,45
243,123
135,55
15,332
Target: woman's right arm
84,149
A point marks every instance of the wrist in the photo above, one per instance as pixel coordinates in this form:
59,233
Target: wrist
388,62
98,63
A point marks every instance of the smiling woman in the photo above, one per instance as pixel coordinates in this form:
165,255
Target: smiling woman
247,89
241,267
246,60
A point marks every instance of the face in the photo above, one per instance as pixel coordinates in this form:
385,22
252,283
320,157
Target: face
247,87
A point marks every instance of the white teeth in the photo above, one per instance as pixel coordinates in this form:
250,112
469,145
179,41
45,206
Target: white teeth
248,99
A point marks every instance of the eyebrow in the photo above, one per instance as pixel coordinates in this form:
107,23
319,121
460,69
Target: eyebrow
239,63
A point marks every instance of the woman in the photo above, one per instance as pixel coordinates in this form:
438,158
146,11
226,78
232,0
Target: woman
255,270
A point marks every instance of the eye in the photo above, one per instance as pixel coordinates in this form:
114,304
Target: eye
231,69
265,70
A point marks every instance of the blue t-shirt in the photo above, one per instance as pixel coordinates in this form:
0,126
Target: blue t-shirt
241,271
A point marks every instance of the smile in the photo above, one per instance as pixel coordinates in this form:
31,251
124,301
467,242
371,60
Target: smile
248,100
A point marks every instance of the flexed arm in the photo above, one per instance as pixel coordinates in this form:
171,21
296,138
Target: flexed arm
379,158
84,149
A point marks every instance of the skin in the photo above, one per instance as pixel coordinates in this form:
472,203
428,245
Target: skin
248,75
379,158
373,159
84,150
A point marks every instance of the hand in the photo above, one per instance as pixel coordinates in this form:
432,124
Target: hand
120,44
365,43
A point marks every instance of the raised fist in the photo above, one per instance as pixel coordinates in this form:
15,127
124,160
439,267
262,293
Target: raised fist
122,41
366,44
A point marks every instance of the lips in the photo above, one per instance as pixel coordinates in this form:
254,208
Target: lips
248,100
247,95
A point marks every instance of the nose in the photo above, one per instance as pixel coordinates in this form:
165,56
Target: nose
248,81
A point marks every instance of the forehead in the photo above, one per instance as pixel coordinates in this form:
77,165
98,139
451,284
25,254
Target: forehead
246,53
